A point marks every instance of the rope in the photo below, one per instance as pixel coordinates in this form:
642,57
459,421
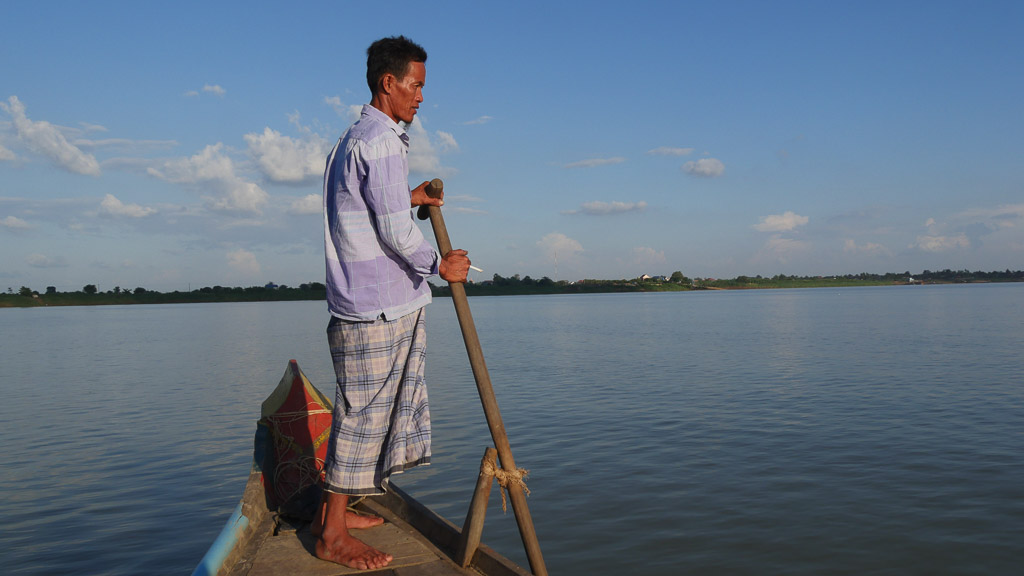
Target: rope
311,409
307,472
507,479
303,469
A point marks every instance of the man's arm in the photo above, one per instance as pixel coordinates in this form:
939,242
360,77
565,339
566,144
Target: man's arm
387,195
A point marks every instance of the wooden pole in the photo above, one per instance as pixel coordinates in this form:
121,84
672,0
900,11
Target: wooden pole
474,525
483,385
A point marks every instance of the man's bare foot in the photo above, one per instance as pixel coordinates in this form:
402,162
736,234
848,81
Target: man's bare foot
356,521
333,542
348,551
353,521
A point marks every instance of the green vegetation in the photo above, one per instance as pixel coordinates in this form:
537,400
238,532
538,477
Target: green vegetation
678,282
90,295
514,285
946,276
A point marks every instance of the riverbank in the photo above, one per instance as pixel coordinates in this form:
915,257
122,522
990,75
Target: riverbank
513,286
127,298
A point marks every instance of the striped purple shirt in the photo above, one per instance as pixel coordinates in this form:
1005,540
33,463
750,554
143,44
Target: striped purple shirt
377,258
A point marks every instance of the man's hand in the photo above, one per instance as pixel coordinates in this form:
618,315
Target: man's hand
420,198
454,266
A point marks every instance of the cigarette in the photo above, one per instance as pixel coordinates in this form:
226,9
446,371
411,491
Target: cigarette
475,268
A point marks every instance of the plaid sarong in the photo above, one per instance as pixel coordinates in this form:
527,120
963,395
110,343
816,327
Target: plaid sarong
381,421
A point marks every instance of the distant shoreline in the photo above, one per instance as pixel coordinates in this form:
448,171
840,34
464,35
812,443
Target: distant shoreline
499,287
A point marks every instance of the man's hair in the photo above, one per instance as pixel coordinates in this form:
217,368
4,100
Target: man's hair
391,56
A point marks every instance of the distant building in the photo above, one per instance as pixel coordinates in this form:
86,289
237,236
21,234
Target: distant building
647,277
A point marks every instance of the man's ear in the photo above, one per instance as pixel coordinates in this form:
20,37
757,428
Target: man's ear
387,83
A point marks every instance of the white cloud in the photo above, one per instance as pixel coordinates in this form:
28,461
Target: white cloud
124,144
781,222
244,262
424,157
43,261
214,89
453,203
480,120
780,250
603,208
310,204
1007,216
705,168
646,256
14,222
6,154
465,210
241,196
461,198
557,245
852,247
286,159
350,112
670,151
111,206
47,140
334,102
593,162
191,94
979,228
86,126
214,167
941,243
448,143
210,164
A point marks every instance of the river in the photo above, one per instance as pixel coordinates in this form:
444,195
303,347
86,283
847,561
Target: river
816,431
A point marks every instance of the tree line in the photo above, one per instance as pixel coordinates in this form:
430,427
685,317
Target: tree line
90,294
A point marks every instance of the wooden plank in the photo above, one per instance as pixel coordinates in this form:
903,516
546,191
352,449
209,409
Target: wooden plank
292,553
436,568
399,507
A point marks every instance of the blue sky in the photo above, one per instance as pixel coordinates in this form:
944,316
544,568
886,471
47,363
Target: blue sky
177,145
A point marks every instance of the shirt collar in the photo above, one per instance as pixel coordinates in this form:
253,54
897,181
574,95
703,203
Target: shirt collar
379,116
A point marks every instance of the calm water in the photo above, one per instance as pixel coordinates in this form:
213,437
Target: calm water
868,430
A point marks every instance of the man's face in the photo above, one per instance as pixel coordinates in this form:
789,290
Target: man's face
408,92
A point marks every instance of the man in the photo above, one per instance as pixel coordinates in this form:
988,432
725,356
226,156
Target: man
377,265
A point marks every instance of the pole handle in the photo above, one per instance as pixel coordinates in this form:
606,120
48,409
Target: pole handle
435,189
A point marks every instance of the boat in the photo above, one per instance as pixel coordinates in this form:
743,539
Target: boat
268,532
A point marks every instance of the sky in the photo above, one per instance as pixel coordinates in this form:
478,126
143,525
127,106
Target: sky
177,145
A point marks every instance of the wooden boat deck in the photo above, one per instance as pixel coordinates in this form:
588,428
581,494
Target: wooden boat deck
421,542
290,552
